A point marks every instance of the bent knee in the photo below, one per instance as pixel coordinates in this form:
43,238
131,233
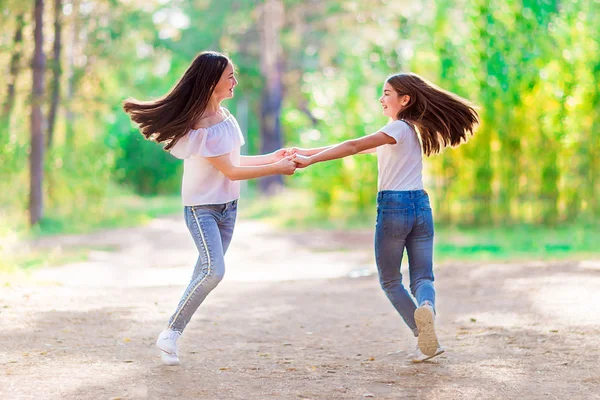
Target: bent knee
211,276
217,273
389,285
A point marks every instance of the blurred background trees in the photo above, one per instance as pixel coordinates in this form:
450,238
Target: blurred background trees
310,74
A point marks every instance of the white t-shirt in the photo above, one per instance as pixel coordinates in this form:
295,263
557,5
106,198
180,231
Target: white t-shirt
400,165
202,182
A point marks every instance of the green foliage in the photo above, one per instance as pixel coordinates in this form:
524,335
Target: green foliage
119,208
529,68
78,182
146,167
532,68
13,187
293,209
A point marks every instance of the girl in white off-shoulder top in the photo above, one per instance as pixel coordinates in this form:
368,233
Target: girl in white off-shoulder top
195,128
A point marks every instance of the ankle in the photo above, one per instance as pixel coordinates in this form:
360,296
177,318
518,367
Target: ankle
427,303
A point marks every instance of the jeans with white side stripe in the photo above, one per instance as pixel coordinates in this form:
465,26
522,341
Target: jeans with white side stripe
211,227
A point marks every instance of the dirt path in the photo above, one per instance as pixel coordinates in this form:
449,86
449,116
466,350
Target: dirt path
297,317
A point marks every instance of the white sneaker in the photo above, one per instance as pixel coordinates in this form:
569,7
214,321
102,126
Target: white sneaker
167,343
169,359
418,356
428,341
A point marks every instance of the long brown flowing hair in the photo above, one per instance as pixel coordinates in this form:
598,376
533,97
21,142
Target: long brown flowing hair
441,118
169,118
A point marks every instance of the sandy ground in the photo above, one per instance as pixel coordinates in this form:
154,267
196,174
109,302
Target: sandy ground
298,316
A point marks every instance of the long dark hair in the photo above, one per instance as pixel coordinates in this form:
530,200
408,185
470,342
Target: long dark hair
441,118
169,118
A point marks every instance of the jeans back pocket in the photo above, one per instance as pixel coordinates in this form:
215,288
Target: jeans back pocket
395,222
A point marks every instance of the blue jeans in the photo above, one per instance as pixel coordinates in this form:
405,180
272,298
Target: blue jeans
404,219
211,227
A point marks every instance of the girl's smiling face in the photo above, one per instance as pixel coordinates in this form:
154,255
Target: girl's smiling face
224,88
392,102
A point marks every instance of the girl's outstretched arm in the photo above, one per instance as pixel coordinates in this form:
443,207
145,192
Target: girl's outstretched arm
262,159
347,148
309,152
285,166
315,150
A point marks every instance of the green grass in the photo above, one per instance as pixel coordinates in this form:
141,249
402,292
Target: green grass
294,209
48,256
121,209
517,243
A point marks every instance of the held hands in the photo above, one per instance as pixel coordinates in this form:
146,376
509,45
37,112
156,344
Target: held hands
288,159
302,161
283,159
286,152
277,155
299,156
286,166
297,150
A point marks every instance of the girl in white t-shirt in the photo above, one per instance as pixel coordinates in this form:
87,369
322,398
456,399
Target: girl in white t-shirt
424,119
195,128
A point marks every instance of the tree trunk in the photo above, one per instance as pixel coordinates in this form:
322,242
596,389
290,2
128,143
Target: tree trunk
15,62
272,95
36,158
56,71
71,49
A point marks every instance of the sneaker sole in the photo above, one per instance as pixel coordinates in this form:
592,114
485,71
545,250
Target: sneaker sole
163,349
427,341
437,353
169,359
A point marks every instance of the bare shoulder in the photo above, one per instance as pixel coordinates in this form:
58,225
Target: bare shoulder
225,112
206,121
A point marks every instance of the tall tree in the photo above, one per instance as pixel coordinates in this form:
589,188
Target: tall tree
272,94
56,71
15,62
72,47
36,158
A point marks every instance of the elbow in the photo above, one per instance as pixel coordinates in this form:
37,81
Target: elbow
235,174
232,176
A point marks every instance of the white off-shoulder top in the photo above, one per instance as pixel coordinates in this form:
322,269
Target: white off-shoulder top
202,182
